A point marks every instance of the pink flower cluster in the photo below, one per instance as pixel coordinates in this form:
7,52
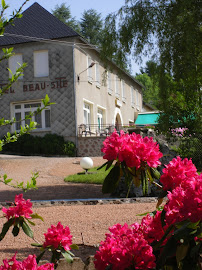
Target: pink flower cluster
178,132
185,202
123,248
21,208
58,236
135,150
28,264
178,172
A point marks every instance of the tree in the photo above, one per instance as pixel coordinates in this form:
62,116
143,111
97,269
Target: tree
92,26
63,13
173,29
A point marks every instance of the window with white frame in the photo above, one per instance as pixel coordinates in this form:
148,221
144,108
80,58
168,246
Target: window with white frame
100,118
117,80
14,63
89,70
132,97
41,64
137,101
109,82
123,91
97,74
87,114
22,110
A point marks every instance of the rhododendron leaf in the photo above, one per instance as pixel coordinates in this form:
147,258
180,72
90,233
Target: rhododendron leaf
163,214
36,245
74,246
36,216
15,231
68,257
102,165
162,194
155,173
40,256
149,175
6,227
181,253
143,181
30,222
27,230
111,180
109,164
169,250
169,229
194,225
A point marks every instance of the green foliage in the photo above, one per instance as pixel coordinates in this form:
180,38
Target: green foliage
63,13
50,144
92,26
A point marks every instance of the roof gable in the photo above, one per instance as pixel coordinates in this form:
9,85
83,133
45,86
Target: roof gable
36,22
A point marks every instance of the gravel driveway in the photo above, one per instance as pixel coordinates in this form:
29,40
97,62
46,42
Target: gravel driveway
88,223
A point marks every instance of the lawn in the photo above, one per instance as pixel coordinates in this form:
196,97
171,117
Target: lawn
94,176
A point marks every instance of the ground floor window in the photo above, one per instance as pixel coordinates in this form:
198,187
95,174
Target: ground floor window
21,110
100,119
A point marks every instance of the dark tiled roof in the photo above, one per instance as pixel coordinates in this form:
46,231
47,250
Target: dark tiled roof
36,22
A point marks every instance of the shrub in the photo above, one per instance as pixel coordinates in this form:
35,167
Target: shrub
50,144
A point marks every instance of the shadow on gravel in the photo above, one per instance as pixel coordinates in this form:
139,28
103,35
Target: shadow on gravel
59,192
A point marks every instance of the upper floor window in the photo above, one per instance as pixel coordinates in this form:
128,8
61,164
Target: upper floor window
97,74
109,82
23,110
89,69
117,80
14,63
123,91
132,97
41,64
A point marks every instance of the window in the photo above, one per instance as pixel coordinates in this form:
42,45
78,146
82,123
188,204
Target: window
117,86
97,74
87,114
89,70
14,63
22,110
123,91
100,119
132,97
41,64
109,82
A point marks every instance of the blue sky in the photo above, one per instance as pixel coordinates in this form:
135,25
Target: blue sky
77,7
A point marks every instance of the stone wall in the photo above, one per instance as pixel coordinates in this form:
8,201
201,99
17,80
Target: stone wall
90,146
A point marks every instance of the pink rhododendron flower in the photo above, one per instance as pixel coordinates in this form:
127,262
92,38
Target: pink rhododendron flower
177,172
28,264
58,236
152,229
185,202
124,247
135,150
21,208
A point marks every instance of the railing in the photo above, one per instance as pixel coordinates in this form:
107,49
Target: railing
98,130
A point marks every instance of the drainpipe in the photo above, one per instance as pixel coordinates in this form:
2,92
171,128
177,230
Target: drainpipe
74,92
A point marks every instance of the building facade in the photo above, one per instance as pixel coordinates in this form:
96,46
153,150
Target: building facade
89,98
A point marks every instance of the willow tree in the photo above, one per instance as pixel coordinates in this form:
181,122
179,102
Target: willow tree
171,30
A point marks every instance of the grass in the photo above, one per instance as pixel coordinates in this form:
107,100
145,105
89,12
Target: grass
94,177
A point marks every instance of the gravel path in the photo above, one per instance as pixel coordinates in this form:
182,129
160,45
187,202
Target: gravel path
88,223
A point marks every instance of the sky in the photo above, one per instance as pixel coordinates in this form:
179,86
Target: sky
77,8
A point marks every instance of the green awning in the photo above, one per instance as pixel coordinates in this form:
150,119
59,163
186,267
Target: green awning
147,119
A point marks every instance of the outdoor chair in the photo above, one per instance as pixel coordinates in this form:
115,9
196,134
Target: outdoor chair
84,129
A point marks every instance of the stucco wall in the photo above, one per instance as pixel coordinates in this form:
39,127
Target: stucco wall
61,92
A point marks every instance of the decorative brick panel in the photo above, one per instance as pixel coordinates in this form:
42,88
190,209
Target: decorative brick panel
90,146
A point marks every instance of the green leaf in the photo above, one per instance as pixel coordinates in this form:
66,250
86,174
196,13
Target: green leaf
109,164
36,245
155,173
36,216
67,256
27,230
15,230
181,253
102,165
30,222
74,246
111,180
168,251
6,227
40,256
163,214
